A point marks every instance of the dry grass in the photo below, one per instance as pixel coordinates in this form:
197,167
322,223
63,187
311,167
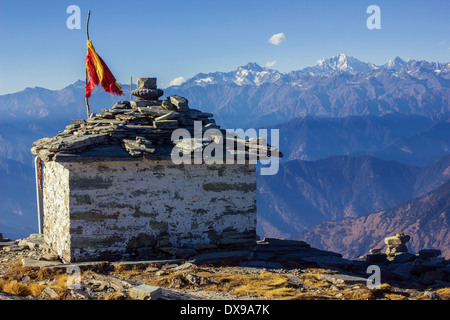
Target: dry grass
15,287
444,293
11,281
36,288
264,285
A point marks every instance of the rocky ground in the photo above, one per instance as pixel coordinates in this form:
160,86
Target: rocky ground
275,270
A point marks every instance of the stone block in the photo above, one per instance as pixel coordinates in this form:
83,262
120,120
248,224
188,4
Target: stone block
27,262
429,253
147,94
398,239
49,294
146,83
145,292
122,105
165,124
402,257
166,104
343,279
144,103
168,116
376,257
6,244
393,241
403,270
392,250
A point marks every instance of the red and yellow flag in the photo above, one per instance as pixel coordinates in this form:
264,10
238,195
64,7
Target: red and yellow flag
99,73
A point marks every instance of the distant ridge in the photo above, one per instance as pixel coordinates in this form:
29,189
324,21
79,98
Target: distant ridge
254,96
426,219
305,193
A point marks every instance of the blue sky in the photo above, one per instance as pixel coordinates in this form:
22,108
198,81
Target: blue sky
170,39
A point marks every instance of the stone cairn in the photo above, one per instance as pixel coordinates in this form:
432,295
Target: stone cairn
139,128
396,245
397,251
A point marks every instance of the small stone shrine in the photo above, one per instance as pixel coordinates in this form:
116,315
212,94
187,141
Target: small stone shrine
111,190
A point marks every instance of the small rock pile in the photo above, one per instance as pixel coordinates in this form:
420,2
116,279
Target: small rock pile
33,246
424,268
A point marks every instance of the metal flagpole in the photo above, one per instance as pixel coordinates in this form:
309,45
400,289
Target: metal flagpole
86,81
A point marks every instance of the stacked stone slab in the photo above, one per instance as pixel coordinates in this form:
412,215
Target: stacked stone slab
112,190
396,245
140,128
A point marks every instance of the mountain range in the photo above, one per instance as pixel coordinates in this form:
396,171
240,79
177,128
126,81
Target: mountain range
357,138
305,193
254,96
413,140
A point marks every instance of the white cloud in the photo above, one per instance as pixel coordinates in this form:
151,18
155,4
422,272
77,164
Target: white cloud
270,63
177,81
277,38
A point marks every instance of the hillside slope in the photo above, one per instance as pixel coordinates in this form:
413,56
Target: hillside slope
426,219
305,193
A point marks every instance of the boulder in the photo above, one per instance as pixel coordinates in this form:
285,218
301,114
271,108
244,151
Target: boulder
429,253
376,257
431,276
398,239
49,294
402,257
342,278
402,270
145,292
392,250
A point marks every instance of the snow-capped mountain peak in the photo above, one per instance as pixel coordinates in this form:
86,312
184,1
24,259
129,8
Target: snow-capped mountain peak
249,74
395,64
256,75
341,63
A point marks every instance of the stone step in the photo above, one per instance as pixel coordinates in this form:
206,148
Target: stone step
145,292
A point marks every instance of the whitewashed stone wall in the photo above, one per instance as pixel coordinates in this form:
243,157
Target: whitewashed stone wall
56,201
130,209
